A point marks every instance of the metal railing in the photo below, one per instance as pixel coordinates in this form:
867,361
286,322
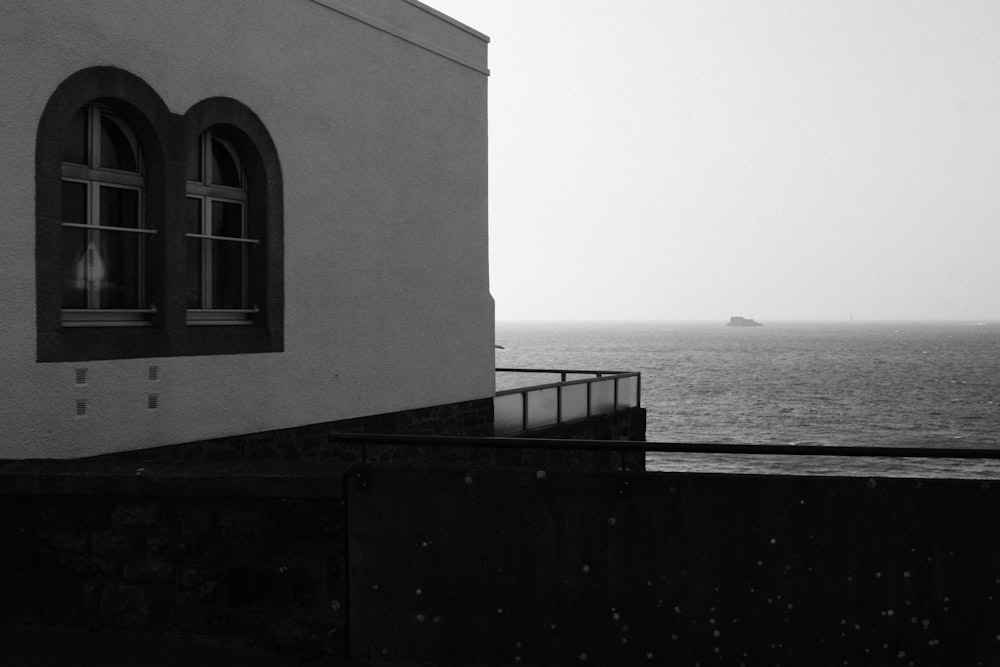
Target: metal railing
538,406
369,441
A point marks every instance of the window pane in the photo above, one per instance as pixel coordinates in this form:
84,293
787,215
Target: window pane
227,219
74,246
116,149
228,261
194,163
74,148
115,270
74,202
194,272
225,168
119,207
193,214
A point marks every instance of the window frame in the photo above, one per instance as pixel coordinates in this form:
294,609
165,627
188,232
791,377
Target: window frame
262,174
96,177
206,192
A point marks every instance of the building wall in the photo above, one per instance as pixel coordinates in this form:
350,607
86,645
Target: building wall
378,114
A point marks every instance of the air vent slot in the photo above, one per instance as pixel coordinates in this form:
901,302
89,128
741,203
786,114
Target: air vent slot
80,374
153,401
154,373
81,407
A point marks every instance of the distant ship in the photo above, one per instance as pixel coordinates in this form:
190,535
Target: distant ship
743,322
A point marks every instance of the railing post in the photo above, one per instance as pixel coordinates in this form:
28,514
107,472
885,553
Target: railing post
559,404
524,411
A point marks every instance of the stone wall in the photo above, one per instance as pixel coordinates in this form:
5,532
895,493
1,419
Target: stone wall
317,442
188,557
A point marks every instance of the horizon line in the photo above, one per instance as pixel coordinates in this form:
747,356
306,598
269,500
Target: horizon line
988,320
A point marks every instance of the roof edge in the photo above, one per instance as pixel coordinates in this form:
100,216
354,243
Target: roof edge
444,17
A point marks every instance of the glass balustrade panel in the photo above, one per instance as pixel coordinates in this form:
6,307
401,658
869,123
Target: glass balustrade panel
508,414
628,392
543,405
602,397
574,402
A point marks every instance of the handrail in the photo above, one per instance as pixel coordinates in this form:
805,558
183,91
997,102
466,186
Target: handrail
535,409
848,451
559,370
563,383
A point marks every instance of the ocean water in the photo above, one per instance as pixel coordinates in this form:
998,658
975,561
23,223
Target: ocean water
889,384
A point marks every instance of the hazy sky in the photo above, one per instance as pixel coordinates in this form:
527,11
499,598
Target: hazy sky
695,159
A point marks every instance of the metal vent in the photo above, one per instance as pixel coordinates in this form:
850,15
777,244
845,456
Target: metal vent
81,407
154,373
153,401
81,375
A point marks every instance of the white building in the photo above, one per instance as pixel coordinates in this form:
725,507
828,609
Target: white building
228,217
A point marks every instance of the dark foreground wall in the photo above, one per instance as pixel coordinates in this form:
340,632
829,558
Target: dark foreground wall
492,567
239,539
257,558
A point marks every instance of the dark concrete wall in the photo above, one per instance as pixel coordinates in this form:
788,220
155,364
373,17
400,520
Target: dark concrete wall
492,567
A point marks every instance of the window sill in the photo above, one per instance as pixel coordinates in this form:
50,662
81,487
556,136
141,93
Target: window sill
87,317
220,317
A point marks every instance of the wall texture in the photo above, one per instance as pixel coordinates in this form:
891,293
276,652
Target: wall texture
378,114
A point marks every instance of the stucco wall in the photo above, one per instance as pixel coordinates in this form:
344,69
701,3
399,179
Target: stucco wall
378,113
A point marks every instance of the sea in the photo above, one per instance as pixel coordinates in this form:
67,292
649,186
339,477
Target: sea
894,384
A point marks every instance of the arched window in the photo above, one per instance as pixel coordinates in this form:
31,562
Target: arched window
105,275
219,244
148,223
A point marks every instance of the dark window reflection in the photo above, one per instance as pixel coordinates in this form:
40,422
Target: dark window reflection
74,202
227,219
74,148
194,273
225,169
119,207
116,149
74,265
228,259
